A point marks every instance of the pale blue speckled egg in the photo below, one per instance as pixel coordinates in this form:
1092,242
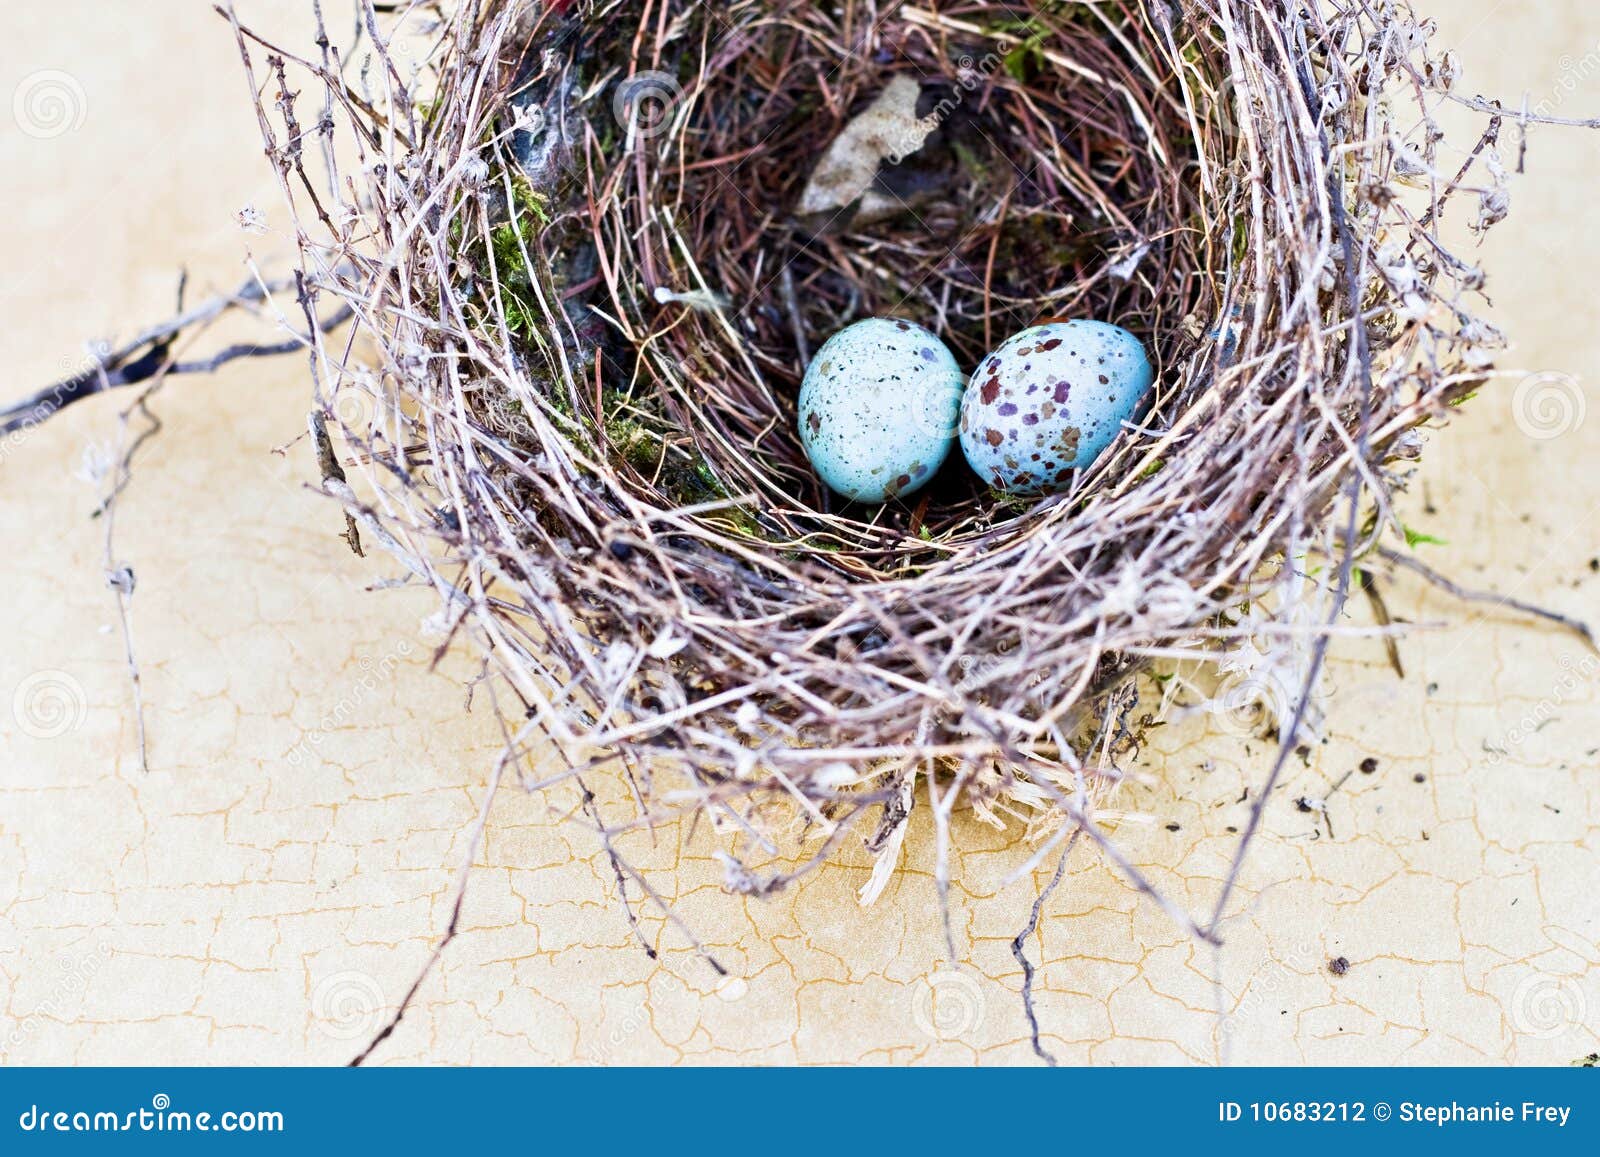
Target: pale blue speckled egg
879,408
1049,400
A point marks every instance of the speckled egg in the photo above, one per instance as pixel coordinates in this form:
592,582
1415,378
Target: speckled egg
879,408
1049,400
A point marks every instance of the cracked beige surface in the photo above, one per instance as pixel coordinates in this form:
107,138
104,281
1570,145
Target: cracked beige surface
271,886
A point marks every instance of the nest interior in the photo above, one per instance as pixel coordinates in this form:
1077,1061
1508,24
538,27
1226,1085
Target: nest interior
1037,195
576,246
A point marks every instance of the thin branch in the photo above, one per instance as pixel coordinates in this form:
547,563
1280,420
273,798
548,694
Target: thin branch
1576,626
1020,940
149,356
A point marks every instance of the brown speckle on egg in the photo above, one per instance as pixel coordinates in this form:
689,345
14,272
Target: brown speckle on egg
1031,416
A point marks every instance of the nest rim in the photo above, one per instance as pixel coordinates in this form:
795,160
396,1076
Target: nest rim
1321,326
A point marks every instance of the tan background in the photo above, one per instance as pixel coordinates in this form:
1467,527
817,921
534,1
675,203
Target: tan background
269,888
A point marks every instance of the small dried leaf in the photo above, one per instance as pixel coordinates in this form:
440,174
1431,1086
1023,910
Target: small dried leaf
887,131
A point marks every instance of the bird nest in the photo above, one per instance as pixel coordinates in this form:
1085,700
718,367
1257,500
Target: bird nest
590,246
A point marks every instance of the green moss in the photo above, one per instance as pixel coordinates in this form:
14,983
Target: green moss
629,428
641,436
637,446
509,243
1010,503
1027,58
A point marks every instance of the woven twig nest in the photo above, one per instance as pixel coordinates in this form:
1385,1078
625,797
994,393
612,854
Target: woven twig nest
575,234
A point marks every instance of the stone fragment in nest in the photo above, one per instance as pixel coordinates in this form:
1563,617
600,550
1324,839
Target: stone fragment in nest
886,131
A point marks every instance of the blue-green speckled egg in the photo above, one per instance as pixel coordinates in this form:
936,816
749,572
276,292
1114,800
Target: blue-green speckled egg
1049,400
879,408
